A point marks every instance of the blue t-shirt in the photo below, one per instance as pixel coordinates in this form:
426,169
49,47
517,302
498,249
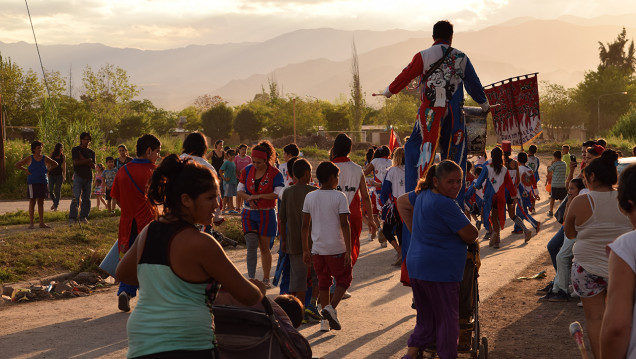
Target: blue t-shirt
436,253
229,172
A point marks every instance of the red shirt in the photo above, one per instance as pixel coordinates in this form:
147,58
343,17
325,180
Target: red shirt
134,204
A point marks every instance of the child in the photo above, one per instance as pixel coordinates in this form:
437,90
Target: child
109,176
327,210
290,218
230,181
527,191
289,151
557,168
98,182
241,161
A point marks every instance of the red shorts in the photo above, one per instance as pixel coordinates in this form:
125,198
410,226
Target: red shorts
327,266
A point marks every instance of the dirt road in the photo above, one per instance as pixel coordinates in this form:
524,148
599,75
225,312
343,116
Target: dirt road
377,320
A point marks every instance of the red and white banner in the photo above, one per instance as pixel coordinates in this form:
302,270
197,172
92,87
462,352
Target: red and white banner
516,117
394,140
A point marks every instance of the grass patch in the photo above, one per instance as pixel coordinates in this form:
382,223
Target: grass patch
22,217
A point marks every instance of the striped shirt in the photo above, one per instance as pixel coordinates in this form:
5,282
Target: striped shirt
558,170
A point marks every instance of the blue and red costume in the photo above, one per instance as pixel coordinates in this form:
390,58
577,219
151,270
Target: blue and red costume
262,219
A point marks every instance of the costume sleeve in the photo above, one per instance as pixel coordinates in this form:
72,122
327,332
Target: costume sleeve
411,71
243,176
474,87
482,177
509,185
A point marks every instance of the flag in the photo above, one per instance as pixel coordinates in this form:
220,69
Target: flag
394,140
517,117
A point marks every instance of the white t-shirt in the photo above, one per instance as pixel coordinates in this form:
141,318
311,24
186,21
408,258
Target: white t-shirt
349,179
625,247
287,176
199,160
380,166
396,176
325,207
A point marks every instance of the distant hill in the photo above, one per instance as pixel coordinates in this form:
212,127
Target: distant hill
317,62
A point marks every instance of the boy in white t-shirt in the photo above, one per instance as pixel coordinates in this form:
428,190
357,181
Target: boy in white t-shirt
327,211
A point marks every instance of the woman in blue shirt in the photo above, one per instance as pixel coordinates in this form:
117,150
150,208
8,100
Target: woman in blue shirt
440,233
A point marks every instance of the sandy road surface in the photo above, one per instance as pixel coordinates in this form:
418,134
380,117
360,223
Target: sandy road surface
376,320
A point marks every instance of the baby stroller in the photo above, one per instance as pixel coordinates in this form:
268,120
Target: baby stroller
250,333
470,342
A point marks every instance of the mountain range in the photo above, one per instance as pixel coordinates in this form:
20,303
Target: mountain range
317,62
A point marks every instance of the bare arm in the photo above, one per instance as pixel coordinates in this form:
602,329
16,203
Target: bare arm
50,162
127,268
469,233
346,231
570,217
26,161
366,203
617,320
406,210
368,169
305,238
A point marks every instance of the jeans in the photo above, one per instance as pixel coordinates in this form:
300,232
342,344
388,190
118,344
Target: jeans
564,262
55,188
81,190
555,245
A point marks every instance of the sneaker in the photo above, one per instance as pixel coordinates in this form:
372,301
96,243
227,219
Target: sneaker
538,227
547,296
346,295
545,289
268,285
550,214
383,245
329,313
478,225
313,312
124,302
579,304
561,296
413,304
398,261
526,236
305,319
370,239
324,326
517,232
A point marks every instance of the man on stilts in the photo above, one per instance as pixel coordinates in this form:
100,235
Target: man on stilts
443,72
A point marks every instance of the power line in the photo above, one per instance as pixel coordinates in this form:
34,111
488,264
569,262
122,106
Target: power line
46,83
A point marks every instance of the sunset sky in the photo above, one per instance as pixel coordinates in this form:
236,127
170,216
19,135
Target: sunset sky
162,24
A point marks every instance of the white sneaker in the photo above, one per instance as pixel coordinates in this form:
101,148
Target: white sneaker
383,245
346,295
331,315
324,325
370,239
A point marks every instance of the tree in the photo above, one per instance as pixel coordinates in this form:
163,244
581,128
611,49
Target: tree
21,93
108,93
626,126
248,124
614,54
358,105
337,117
206,102
217,121
559,108
193,118
398,111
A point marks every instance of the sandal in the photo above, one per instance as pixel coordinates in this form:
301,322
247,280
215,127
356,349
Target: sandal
267,284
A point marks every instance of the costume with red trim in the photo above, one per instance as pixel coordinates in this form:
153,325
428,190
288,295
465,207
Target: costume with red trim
261,219
349,184
495,192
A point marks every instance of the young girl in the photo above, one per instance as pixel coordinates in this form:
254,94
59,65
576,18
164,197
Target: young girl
392,189
99,185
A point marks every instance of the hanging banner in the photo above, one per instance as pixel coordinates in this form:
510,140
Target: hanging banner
516,116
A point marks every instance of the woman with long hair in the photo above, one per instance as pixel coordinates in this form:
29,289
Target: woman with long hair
57,175
440,234
595,220
259,186
178,268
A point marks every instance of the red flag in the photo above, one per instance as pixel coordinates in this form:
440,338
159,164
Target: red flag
394,140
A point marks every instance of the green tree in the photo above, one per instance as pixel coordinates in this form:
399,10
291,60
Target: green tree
108,94
559,108
217,121
626,125
193,118
615,55
248,123
337,117
21,93
398,111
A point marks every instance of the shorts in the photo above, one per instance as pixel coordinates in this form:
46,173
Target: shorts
328,266
586,284
108,197
559,193
37,190
298,273
229,189
375,202
261,221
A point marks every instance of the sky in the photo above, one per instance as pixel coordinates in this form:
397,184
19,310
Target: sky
165,24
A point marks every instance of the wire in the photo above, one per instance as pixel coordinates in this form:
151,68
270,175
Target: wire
46,83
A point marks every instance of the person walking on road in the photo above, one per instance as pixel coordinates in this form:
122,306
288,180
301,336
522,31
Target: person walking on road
83,166
36,169
129,192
